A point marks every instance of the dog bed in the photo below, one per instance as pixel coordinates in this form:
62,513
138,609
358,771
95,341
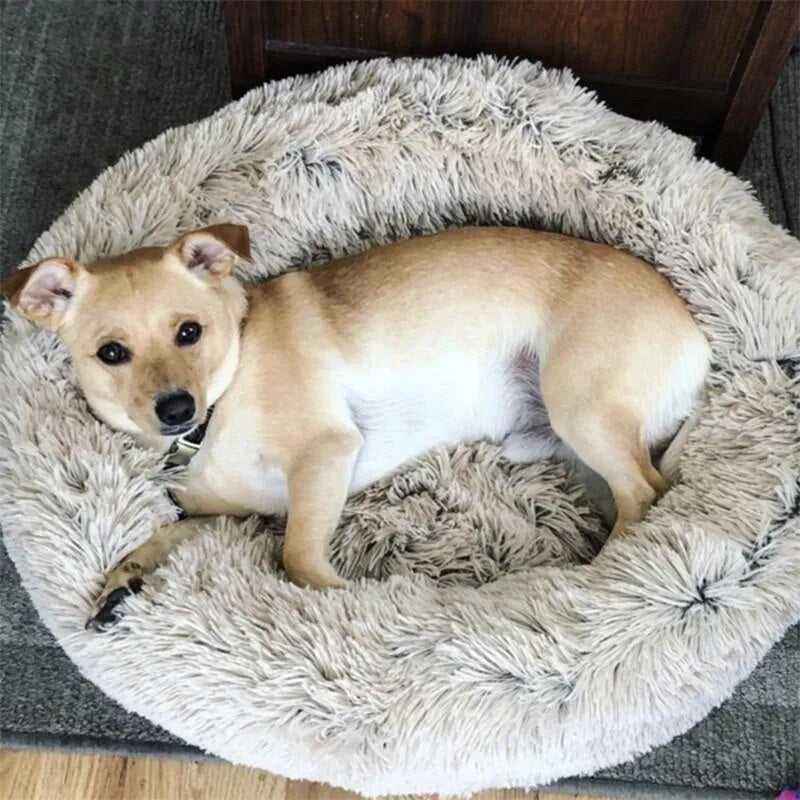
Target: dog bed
480,643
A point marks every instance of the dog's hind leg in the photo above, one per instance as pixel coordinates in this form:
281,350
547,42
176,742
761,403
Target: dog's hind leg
609,441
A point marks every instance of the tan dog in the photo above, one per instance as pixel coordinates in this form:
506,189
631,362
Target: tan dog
324,381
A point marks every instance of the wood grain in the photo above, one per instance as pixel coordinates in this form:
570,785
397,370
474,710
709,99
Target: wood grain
696,41
69,776
244,37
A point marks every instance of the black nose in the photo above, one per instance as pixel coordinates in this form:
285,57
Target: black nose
176,408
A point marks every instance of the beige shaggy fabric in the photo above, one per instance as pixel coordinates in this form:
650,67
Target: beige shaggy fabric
482,645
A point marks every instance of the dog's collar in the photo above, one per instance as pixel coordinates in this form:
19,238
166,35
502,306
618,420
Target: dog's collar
183,450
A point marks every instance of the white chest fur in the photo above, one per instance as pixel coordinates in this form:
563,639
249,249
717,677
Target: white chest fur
233,474
400,414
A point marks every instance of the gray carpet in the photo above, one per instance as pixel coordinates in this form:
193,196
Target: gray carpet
82,82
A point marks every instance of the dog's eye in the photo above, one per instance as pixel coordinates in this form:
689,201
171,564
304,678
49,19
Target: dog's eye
188,333
114,353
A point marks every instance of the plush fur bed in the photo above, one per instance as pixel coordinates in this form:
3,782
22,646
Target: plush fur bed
483,646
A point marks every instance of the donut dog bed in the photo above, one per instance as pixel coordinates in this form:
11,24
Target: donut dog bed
480,643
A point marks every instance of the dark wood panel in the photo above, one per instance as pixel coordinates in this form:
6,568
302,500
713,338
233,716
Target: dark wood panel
402,27
288,58
657,39
769,40
714,33
244,37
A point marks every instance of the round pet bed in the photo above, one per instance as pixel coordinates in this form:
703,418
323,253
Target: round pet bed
480,644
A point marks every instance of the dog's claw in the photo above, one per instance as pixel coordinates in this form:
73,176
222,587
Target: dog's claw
108,615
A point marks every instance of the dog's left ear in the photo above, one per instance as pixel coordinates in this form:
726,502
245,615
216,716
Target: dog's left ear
44,292
211,252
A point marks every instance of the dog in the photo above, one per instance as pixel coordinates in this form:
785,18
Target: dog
324,381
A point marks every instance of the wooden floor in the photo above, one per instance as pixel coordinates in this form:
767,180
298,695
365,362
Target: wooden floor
61,776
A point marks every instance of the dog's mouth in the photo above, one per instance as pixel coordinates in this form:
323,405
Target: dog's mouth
178,430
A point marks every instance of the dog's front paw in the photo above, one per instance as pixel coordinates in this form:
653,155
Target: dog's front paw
125,579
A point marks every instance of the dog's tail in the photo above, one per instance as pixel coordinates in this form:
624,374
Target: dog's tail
669,464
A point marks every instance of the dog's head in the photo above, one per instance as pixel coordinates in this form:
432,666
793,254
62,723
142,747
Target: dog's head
153,334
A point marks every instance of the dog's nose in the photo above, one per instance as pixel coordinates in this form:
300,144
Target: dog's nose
175,408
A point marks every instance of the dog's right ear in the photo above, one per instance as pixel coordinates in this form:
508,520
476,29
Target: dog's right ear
210,253
44,291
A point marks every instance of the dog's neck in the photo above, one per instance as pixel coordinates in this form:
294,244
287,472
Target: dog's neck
223,375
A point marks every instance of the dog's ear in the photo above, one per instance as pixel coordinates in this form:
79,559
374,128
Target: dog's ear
44,291
211,252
